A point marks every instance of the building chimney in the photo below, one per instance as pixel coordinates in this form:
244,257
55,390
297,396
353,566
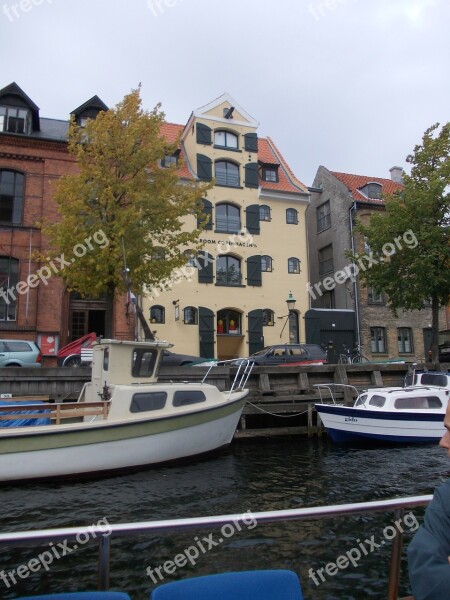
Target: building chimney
396,174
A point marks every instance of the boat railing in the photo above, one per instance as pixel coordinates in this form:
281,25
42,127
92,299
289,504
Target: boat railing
244,368
56,412
125,530
332,389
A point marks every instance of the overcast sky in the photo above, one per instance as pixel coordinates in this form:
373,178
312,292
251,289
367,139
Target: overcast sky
349,84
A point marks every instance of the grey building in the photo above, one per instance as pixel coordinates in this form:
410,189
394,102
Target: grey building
338,201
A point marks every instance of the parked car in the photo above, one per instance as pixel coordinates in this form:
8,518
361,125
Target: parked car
172,359
71,354
19,353
79,353
289,354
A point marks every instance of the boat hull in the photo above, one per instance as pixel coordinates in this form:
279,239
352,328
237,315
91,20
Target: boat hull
98,448
348,424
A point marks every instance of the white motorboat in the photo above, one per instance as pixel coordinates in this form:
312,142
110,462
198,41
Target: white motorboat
124,419
392,414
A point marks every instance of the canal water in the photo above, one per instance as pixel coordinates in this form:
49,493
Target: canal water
251,476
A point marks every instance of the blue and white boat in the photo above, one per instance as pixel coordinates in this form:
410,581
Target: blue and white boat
392,414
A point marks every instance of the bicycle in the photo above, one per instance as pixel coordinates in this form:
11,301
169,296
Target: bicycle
345,357
357,357
349,357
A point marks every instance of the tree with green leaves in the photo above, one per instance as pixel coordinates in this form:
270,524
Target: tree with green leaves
121,194
410,274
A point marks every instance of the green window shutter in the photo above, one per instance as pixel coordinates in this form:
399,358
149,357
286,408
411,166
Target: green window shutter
207,212
252,219
203,134
254,270
255,331
205,267
251,142
251,175
204,167
206,331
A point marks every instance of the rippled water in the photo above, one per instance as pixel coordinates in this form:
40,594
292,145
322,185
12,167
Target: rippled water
250,476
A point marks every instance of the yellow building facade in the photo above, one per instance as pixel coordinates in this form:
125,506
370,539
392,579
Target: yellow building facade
230,299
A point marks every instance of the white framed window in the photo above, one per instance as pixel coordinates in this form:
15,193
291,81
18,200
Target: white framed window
226,139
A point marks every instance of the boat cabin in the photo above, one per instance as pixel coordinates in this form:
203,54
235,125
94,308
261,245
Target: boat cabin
427,399
118,362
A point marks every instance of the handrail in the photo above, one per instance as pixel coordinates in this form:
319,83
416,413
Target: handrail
397,505
54,411
240,379
329,387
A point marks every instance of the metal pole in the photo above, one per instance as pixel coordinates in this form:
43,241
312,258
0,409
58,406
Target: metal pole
396,557
104,548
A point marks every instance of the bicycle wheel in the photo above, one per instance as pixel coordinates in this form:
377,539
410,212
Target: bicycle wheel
359,358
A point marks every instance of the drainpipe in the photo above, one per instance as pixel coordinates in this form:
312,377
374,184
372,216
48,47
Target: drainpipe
355,284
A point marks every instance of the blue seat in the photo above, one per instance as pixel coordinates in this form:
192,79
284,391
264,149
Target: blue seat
80,596
244,585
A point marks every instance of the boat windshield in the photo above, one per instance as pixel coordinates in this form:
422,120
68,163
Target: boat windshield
143,362
361,400
439,379
377,400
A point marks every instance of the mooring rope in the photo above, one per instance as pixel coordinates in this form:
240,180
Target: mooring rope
275,414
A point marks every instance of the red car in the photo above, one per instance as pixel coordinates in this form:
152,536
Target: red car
70,355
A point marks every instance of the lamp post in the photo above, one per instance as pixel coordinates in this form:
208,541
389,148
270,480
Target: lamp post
290,301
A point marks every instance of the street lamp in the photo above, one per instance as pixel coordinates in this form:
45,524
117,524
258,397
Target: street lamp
290,301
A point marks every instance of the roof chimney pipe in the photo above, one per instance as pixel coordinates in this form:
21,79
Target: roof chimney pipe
396,174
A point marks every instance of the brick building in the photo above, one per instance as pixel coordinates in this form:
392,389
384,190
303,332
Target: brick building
33,301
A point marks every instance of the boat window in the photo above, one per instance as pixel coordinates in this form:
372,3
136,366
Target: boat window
144,402
105,359
185,397
143,362
377,400
361,400
419,402
434,379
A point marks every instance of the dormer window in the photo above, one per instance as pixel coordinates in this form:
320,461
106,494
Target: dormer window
270,174
372,190
82,121
14,120
169,161
226,139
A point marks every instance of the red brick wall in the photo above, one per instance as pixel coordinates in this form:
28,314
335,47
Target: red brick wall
44,309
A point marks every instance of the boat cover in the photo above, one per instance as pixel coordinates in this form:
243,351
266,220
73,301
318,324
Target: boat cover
23,421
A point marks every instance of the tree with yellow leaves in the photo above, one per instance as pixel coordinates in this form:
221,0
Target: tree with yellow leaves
121,190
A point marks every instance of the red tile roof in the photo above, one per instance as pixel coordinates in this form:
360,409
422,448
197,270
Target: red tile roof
287,182
355,182
172,132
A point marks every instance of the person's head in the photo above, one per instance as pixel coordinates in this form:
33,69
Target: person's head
445,440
